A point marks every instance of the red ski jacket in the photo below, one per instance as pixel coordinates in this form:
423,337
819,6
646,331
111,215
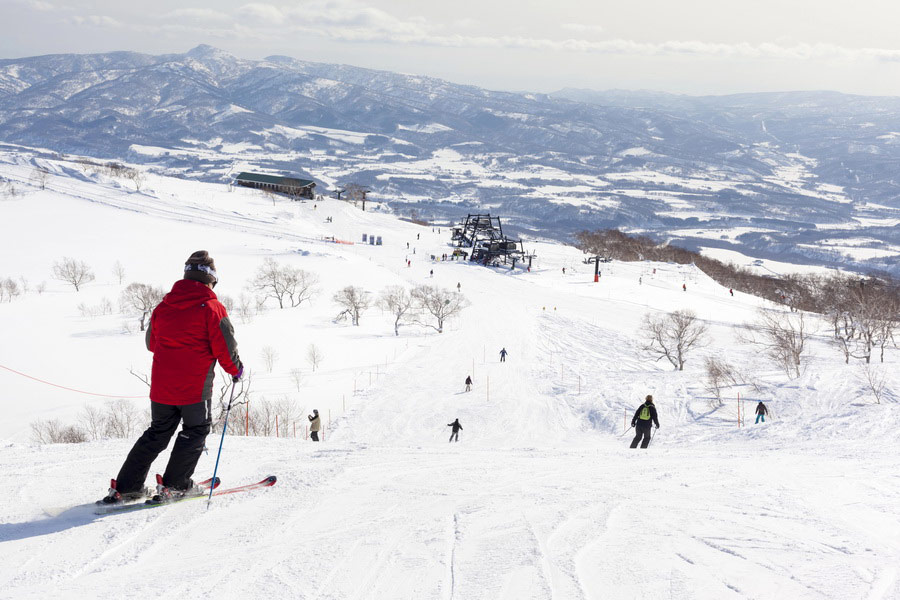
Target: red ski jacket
189,331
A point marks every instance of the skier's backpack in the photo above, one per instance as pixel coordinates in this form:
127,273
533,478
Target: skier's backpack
645,413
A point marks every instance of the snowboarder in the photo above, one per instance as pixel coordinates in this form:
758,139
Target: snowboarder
761,412
189,331
468,383
454,435
314,425
643,416
503,354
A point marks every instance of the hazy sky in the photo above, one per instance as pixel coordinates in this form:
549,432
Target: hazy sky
689,46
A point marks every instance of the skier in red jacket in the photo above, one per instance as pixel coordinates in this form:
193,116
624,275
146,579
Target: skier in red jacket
189,331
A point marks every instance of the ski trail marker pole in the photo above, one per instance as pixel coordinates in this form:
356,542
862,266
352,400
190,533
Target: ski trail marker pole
221,442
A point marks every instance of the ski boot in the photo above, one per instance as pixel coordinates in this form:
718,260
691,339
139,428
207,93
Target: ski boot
115,497
166,494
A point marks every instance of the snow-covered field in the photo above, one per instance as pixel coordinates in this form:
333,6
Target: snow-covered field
541,498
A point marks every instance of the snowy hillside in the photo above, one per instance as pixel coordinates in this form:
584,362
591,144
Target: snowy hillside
541,498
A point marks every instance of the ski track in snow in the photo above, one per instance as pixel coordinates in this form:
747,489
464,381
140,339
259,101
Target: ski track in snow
540,499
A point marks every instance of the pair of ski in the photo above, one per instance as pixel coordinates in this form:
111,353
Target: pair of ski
202,492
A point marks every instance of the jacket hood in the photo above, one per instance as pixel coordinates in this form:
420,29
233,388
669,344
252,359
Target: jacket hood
187,293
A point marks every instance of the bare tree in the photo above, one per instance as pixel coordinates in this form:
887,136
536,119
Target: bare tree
74,272
269,355
92,421
673,335
314,356
241,395
141,299
122,419
39,176
396,300
782,336
719,374
297,377
283,282
245,308
119,272
54,432
353,301
438,303
137,178
9,289
356,193
873,377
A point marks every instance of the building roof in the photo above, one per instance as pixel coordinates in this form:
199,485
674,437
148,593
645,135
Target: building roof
274,180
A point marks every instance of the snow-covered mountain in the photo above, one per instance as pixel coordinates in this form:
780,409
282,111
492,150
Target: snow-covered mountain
803,175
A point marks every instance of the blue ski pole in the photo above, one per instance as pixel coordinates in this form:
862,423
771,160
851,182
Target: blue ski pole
221,442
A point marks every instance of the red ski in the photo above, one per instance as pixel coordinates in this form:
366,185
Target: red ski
116,508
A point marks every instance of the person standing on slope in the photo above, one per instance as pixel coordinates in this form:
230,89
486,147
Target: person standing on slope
189,331
468,383
761,412
641,421
503,354
314,425
454,435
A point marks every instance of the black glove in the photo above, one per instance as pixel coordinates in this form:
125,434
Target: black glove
657,425
632,423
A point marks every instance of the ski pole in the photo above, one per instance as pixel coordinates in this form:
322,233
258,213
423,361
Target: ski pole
221,442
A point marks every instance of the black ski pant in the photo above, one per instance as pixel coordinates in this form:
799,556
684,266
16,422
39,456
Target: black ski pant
314,436
455,435
164,418
642,429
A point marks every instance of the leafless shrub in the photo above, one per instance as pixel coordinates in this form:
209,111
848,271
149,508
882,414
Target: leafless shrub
39,177
93,421
782,336
8,189
74,272
240,396
122,419
283,283
227,302
119,272
141,299
438,303
245,308
873,377
269,355
297,377
314,356
719,374
397,301
353,301
53,431
41,287
9,289
673,335
137,178
105,307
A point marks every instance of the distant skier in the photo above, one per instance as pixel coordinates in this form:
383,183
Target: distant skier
503,354
407,245
454,435
731,291
640,280
315,424
189,331
468,383
458,286
431,273
761,412
684,287
418,236
564,270
643,416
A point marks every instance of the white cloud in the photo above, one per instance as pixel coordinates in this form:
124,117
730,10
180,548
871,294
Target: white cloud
95,21
267,14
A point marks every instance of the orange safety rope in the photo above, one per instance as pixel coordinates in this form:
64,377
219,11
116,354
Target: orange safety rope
68,388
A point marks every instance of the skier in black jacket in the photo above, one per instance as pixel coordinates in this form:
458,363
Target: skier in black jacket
643,416
456,427
761,412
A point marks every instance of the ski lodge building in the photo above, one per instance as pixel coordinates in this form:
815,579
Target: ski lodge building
300,188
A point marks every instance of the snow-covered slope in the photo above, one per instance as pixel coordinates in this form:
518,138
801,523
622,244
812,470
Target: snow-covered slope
540,499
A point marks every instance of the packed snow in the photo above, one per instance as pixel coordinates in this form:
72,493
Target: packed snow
541,498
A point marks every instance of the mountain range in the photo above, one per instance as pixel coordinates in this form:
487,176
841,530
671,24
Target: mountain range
802,176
